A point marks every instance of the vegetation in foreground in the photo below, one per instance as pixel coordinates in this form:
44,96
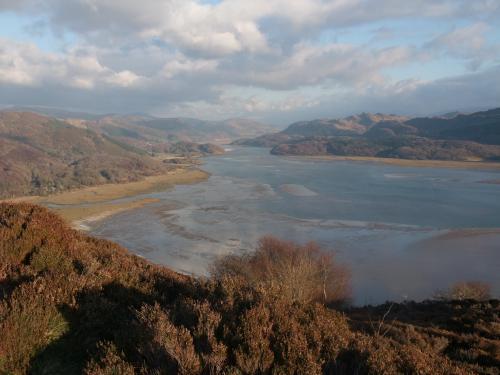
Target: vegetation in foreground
71,304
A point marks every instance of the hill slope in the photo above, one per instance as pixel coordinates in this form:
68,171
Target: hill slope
462,137
72,304
352,125
482,127
142,129
40,155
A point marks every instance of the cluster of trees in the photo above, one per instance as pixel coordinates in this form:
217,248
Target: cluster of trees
71,304
400,147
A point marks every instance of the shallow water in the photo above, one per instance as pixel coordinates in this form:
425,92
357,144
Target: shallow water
399,229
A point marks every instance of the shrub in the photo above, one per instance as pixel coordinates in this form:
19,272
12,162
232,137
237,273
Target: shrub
165,347
474,290
297,273
31,323
110,362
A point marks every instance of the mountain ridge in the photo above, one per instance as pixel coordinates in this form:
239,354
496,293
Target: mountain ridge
152,128
461,137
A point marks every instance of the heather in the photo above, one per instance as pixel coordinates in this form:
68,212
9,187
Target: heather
71,304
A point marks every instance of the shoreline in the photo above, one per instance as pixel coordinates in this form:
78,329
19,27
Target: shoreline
82,217
405,162
90,204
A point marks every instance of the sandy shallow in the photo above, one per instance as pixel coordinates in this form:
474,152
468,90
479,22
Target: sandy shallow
103,193
82,217
88,205
297,190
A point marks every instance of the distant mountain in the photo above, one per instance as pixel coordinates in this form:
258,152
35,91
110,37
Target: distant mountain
389,129
194,130
450,115
142,129
352,125
40,155
482,127
54,112
474,136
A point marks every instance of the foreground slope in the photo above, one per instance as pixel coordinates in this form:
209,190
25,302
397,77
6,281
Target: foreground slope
40,155
73,304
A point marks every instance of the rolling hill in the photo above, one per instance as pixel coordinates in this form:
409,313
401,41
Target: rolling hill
40,155
142,129
139,129
458,137
349,126
481,127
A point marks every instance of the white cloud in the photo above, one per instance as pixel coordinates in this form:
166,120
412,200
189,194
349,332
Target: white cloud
187,55
180,64
462,42
469,43
332,64
26,64
231,26
125,78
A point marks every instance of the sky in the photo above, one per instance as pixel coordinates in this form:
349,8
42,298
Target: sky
277,61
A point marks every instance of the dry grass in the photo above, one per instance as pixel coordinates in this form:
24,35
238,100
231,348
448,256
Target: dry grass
107,192
91,203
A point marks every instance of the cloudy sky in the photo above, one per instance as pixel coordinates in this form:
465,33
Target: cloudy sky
273,60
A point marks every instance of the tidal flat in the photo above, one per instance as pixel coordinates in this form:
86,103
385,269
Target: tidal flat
404,232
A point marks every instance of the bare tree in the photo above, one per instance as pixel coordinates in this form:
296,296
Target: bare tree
297,272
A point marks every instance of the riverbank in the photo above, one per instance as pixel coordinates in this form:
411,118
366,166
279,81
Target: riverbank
90,204
407,162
